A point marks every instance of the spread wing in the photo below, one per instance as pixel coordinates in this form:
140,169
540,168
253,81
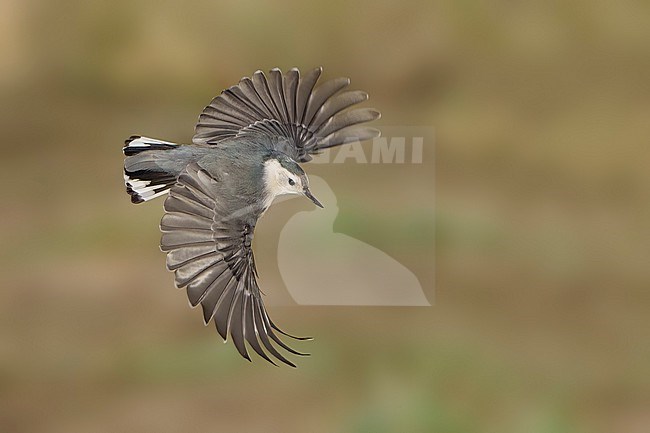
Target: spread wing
208,246
295,114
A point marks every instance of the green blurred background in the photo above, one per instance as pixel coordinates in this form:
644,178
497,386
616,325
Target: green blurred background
540,322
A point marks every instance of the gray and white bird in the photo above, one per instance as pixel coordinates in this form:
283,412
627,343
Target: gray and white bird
245,153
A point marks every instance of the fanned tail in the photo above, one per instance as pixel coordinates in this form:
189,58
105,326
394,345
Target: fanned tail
143,177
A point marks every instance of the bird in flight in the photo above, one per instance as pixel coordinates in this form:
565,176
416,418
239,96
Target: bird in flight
245,152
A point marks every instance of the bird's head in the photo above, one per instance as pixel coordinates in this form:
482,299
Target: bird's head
283,175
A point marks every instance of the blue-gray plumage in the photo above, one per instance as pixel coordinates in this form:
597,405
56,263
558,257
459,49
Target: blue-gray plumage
245,152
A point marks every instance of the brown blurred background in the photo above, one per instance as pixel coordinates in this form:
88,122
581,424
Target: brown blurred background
540,322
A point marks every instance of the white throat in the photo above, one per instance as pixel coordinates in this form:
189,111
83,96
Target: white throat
276,181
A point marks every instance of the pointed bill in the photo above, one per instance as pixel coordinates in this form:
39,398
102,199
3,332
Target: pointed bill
311,197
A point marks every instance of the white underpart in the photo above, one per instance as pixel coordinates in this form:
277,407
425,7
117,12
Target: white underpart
276,181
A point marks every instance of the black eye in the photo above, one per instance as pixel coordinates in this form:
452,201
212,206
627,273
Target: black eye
291,182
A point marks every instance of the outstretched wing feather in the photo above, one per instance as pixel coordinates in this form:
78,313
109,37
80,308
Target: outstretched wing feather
321,94
208,248
305,88
337,104
290,84
348,135
285,107
250,330
344,120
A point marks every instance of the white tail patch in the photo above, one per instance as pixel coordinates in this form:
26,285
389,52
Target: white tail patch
145,190
136,144
143,178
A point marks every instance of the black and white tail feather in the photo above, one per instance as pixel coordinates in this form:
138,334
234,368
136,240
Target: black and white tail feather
143,179
209,252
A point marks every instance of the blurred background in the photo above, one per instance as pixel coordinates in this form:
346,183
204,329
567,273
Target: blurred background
540,322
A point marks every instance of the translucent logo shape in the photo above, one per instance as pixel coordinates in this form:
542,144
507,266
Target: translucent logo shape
321,267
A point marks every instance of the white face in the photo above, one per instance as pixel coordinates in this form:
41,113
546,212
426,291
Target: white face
280,181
